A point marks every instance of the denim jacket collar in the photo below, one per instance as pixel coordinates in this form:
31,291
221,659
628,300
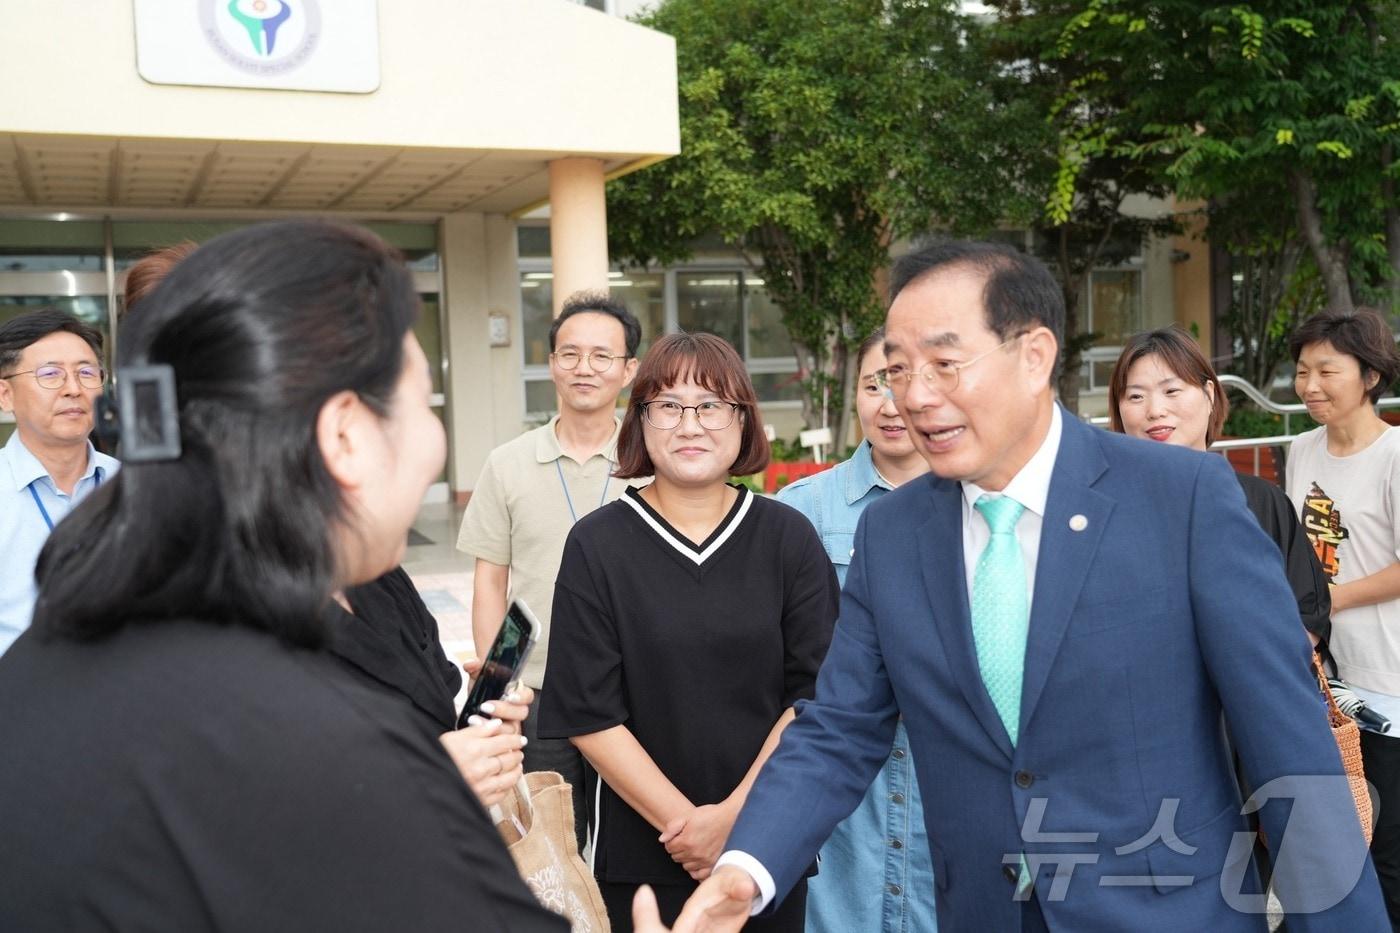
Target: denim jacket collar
861,475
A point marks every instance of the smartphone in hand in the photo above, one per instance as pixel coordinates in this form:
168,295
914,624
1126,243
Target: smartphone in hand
505,661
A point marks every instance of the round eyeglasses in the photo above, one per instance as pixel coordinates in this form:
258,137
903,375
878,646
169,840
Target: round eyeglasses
942,375
666,416
53,377
597,360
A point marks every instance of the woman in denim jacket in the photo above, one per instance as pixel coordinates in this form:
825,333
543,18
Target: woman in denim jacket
883,846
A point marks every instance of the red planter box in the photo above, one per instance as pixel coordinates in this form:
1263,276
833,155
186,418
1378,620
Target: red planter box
779,475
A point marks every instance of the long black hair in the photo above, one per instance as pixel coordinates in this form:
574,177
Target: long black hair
261,326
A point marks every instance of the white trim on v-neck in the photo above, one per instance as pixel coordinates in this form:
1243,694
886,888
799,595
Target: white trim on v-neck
689,549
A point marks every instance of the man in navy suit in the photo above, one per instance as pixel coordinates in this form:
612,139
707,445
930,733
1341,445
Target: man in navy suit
1062,659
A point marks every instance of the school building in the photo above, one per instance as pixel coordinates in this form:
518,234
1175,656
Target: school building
475,135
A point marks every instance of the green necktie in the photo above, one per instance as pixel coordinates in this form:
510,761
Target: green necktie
1000,621
1000,612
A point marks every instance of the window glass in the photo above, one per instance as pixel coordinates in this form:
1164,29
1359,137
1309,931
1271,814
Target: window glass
778,387
536,315
711,302
133,239
1102,373
768,337
724,302
51,246
644,294
540,397
1115,305
428,330
532,242
418,242
90,309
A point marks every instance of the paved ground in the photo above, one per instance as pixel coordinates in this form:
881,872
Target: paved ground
443,576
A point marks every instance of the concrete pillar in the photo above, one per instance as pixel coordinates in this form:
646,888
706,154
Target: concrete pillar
578,226
468,347
485,394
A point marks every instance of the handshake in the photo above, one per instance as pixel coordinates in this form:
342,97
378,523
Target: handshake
720,905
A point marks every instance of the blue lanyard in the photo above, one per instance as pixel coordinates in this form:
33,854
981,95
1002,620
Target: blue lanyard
568,498
96,481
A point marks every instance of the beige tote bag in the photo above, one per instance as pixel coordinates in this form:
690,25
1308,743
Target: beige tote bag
537,824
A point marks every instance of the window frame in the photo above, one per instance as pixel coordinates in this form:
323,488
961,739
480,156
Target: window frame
530,373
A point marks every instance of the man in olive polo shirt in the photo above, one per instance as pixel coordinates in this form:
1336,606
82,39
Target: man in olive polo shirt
535,487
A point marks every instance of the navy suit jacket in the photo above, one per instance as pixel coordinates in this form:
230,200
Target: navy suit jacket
1167,607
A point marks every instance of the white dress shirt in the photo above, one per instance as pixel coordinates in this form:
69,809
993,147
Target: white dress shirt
1030,487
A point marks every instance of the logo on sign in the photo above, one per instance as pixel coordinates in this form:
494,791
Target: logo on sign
262,37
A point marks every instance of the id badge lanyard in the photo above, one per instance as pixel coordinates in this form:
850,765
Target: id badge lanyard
568,498
39,503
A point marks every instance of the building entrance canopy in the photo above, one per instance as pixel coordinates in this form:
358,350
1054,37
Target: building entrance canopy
476,98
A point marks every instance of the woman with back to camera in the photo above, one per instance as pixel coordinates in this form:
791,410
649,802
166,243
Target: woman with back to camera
395,641
179,753
882,846
1344,479
1164,389
693,615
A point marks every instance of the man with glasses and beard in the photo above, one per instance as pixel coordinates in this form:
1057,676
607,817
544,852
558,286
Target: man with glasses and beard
50,377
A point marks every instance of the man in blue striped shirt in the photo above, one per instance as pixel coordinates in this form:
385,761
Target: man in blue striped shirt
50,377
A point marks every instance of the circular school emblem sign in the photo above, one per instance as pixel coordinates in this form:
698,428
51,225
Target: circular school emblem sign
262,37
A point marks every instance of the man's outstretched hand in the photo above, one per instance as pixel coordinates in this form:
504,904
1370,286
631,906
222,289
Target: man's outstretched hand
720,905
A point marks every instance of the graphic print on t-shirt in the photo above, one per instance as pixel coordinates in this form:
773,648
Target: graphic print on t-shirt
1322,521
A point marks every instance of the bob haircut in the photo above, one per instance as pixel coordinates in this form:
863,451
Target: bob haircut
261,326
1363,335
714,364
1182,355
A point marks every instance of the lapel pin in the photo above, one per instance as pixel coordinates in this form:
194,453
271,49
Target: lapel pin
1078,523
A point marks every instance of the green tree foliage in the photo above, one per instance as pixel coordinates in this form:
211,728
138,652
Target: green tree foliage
1085,183
813,135
1294,101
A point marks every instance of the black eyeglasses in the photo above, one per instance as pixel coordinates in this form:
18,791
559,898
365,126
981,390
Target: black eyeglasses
53,377
666,416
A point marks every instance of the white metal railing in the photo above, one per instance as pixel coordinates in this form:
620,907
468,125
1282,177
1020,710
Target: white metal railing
1279,408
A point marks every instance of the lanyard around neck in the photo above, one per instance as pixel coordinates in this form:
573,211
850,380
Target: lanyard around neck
39,503
570,499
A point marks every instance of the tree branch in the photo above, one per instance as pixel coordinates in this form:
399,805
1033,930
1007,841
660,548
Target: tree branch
1329,263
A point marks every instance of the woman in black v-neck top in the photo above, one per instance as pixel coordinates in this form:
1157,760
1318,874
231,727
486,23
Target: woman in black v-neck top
689,617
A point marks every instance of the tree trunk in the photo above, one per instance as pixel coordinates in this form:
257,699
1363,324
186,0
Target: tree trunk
808,363
1331,261
1392,210
1070,354
1392,224
844,369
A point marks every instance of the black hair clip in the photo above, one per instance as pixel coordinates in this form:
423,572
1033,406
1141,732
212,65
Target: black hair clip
145,412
